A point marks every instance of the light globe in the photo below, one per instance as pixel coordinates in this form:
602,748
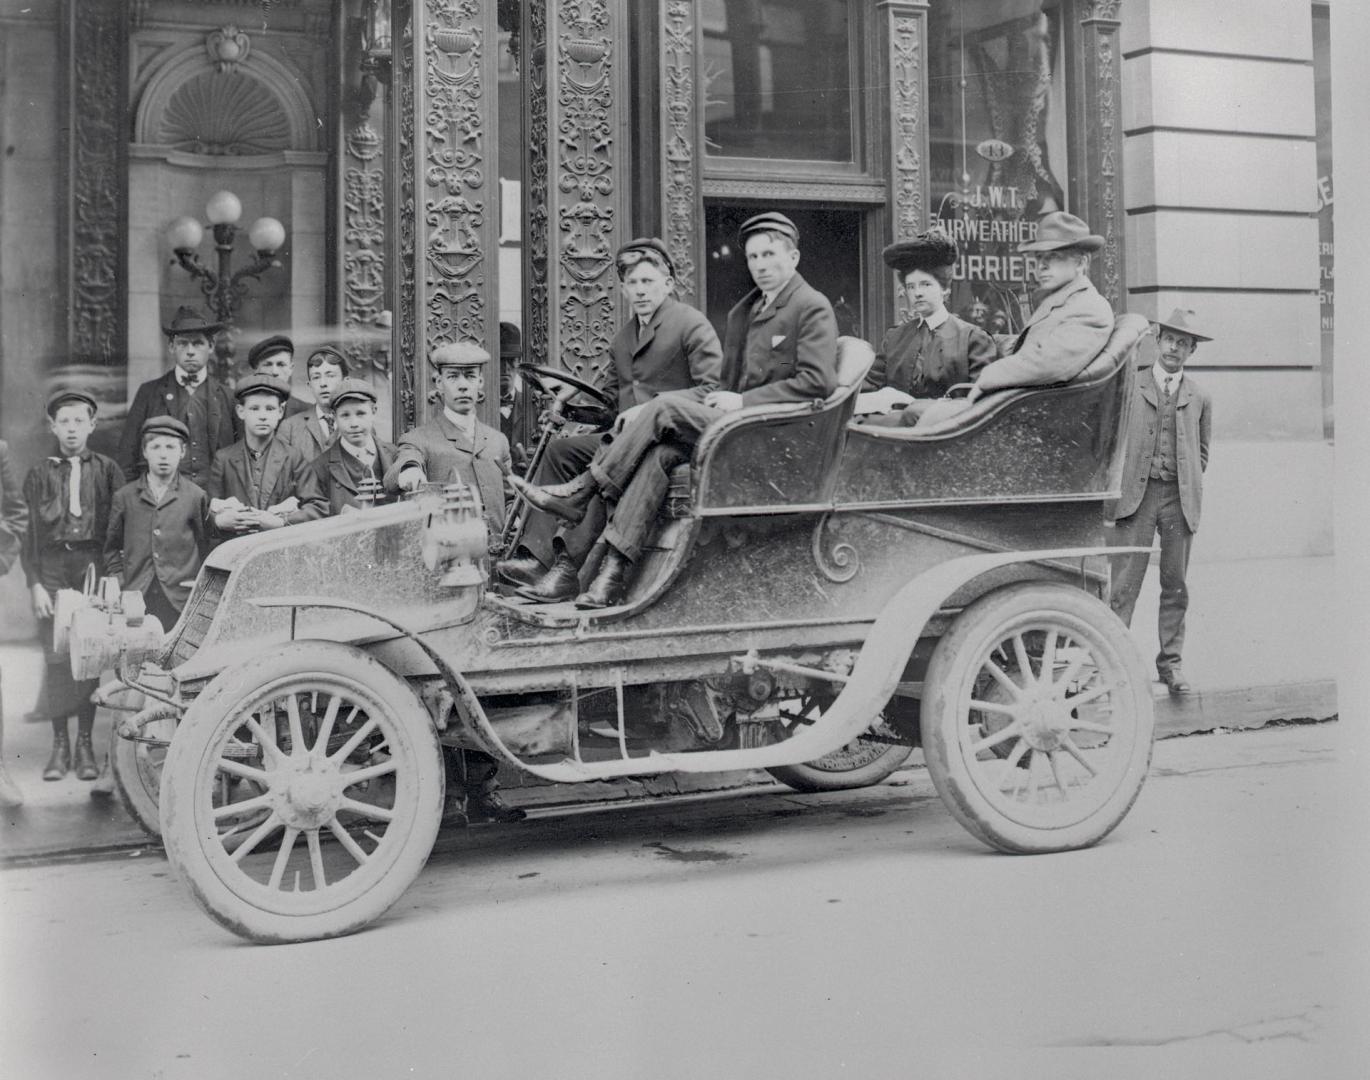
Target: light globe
223,208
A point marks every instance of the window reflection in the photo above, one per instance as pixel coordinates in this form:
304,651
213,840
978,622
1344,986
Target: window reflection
777,79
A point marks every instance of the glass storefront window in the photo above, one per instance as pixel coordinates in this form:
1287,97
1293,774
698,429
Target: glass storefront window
778,79
997,131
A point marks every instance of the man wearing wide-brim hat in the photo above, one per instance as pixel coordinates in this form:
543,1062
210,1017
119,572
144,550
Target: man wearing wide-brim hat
190,394
1162,487
1066,330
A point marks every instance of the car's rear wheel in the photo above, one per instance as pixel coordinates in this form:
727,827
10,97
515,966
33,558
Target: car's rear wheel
302,793
1037,719
863,762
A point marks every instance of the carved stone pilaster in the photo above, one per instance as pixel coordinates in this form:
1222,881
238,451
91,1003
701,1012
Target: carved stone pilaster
94,40
1100,141
536,236
406,364
682,205
904,37
453,175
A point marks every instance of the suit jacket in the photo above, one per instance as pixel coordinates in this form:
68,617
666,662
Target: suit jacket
46,495
1193,428
302,430
1063,334
286,472
443,451
679,350
14,512
336,481
787,353
164,396
167,542
956,353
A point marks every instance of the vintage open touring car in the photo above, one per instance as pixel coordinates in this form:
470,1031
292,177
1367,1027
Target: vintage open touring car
825,596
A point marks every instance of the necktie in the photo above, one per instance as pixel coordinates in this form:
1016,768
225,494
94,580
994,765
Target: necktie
1169,380
326,419
188,383
74,487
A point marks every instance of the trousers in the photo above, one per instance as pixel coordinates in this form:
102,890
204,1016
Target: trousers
62,695
1159,512
545,534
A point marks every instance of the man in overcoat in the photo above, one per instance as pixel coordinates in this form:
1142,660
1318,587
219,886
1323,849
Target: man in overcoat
667,347
1162,487
780,346
190,394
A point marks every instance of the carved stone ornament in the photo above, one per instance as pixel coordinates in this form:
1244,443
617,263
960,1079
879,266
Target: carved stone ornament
209,114
906,118
536,233
1106,101
406,372
679,138
1104,9
227,47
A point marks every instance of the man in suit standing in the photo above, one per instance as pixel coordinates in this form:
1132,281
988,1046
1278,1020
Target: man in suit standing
356,458
666,348
189,394
780,346
1162,487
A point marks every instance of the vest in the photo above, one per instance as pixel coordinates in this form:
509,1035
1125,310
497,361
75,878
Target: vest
195,406
1164,453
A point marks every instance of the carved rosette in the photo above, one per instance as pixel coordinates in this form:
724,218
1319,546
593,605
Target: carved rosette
680,166
99,184
583,151
906,120
406,373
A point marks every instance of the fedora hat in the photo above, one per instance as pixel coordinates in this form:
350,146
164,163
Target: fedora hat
189,321
1058,230
1182,321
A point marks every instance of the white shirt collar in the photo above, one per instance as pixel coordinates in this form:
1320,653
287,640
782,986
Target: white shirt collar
937,320
195,380
1160,375
463,423
348,448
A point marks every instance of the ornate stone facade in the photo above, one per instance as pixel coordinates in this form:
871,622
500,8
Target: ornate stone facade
908,137
680,167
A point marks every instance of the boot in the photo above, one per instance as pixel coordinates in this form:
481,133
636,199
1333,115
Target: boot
84,760
104,783
559,583
567,501
610,583
60,762
525,570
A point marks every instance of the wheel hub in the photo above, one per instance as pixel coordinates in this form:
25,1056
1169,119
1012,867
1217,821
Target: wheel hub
310,798
1044,722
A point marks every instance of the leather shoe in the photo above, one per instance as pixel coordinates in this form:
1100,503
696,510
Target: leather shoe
488,806
84,759
523,571
60,762
610,583
1175,681
562,582
567,501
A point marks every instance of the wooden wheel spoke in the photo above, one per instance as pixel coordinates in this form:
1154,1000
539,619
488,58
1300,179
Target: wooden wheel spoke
1008,732
1048,656
358,736
993,707
266,740
330,717
1089,725
371,772
1086,696
1020,654
243,772
282,858
1056,772
1074,751
349,845
260,833
366,810
292,713
1001,677
1011,770
1070,674
245,806
316,859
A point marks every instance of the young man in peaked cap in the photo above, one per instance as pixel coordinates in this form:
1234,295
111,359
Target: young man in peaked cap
275,355
1162,487
189,394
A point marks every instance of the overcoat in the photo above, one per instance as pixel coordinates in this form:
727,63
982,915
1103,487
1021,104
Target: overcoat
14,512
285,472
1193,429
787,352
336,481
46,496
1065,332
164,396
443,451
678,350
956,353
166,541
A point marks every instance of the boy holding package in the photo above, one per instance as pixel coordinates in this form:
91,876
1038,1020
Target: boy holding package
69,496
357,458
157,525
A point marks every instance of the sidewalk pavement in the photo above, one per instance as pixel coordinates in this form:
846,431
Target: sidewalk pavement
1260,648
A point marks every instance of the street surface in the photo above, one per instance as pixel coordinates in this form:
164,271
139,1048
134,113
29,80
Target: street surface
854,934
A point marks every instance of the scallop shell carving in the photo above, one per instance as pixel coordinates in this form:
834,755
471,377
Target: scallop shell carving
225,115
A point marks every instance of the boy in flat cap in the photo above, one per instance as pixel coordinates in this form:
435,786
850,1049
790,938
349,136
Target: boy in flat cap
780,345
1162,486
667,347
259,482
1067,329
454,445
189,394
357,457
68,496
157,535
920,360
312,430
275,355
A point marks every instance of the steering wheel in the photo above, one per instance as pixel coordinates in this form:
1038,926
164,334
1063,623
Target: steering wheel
600,411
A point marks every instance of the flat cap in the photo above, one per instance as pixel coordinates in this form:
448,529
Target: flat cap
639,246
267,347
457,354
1183,321
1058,230
354,389
932,250
771,221
164,425
58,398
328,354
257,383
189,321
